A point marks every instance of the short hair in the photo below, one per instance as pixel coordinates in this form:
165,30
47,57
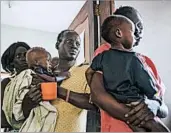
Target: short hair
9,54
62,34
110,23
35,54
129,12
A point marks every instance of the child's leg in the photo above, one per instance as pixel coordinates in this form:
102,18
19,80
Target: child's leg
156,125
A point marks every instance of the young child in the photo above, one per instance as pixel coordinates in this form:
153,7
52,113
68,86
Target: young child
41,118
125,77
39,60
55,63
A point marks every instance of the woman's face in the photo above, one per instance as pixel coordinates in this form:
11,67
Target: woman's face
138,32
69,47
138,22
19,60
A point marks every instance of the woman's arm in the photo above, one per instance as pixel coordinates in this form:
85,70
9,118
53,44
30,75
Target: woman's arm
33,97
105,101
80,100
89,74
139,113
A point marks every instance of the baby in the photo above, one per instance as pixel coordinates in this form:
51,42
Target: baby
39,60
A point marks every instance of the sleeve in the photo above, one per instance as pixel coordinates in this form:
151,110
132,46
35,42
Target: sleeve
144,80
96,64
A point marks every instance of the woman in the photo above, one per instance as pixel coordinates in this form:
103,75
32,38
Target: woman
13,61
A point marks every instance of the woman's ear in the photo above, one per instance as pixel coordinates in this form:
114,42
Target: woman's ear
118,33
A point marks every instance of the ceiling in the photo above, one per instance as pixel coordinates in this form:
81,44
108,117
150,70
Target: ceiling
51,16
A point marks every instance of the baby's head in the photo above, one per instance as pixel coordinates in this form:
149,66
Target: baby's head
55,63
117,28
38,57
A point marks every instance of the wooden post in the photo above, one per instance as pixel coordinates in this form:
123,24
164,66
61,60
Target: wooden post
107,8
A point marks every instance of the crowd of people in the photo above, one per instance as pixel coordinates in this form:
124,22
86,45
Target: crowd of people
122,84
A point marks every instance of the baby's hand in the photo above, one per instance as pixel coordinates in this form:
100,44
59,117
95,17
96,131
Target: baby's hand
65,74
34,95
36,79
